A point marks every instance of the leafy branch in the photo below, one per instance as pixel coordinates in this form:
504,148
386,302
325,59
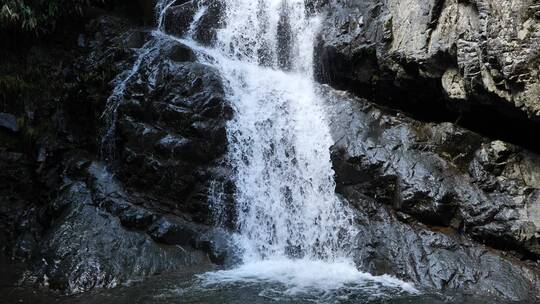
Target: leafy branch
39,16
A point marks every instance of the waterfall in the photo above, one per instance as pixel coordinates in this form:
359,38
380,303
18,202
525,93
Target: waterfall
279,141
291,227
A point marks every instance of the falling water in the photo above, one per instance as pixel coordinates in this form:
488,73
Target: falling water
196,19
290,225
161,8
279,140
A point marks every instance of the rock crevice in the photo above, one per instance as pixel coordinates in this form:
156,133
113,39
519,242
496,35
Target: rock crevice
438,60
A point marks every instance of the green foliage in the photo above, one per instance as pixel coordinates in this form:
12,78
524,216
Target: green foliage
39,16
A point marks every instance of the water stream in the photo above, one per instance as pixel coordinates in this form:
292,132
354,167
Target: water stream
291,228
278,140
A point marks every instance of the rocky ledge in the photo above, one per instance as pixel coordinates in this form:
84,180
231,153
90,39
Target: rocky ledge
476,62
437,204
77,222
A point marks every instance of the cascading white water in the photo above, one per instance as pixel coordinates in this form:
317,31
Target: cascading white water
291,227
279,140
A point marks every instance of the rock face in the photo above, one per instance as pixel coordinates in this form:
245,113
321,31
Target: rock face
463,54
172,130
422,189
87,247
9,122
179,18
429,194
436,204
78,224
18,210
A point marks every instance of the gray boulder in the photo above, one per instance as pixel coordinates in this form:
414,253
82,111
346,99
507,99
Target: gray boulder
88,248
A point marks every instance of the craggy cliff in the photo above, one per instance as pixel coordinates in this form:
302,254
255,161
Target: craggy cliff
476,62
111,140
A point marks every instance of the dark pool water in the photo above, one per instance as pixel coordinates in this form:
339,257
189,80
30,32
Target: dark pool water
192,288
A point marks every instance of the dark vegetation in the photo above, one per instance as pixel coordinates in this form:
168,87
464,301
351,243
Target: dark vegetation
41,16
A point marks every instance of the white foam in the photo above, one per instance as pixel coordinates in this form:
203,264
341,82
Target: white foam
305,276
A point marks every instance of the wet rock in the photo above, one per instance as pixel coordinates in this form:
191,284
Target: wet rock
98,235
441,174
9,122
217,243
484,51
423,191
438,258
173,231
209,22
180,20
86,248
182,53
509,175
179,17
19,201
137,218
172,131
80,224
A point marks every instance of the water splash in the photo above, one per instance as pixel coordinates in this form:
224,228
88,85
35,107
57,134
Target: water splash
299,277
